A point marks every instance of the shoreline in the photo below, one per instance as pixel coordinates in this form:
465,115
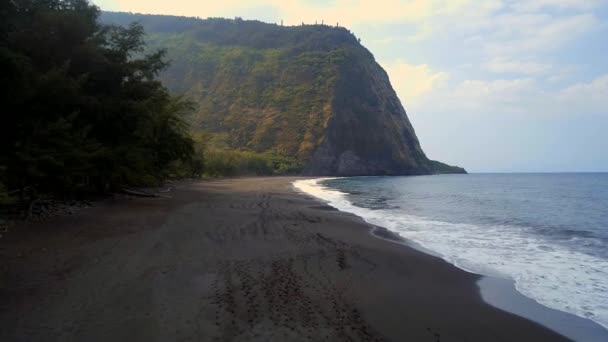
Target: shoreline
235,259
504,295
498,292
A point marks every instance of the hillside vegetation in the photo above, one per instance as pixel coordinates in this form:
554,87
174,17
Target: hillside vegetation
259,87
309,92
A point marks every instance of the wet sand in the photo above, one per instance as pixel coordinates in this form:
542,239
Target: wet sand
246,259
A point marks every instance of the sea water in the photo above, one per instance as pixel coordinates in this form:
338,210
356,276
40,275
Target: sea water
546,232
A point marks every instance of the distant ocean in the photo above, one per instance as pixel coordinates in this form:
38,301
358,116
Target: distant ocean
546,232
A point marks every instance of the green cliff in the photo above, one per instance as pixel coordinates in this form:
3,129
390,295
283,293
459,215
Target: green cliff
312,92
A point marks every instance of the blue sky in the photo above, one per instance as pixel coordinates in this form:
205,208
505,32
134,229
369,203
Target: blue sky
491,85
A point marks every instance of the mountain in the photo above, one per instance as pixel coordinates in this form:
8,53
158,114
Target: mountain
312,92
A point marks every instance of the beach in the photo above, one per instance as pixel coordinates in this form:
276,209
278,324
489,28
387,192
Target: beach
244,259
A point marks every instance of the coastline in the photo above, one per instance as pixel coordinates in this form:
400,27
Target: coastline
503,294
499,292
235,259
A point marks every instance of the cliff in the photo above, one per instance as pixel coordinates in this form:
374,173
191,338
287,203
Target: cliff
311,91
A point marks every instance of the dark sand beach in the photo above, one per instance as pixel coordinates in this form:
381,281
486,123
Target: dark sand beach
245,259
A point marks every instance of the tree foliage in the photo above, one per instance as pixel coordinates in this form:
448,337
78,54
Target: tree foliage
247,163
82,106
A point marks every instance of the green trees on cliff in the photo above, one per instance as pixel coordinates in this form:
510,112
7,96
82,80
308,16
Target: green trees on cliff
82,108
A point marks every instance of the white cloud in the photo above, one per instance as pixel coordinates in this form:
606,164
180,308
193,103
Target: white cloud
563,73
294,12
479,96
522,96
525,34
523,27
178,7
535,5
412,81
350,12
590,97
502,65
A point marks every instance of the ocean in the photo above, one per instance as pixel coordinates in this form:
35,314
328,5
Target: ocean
548,233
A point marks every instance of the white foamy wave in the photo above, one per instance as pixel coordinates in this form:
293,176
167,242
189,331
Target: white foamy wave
553,275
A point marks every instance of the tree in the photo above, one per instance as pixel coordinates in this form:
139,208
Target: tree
83,108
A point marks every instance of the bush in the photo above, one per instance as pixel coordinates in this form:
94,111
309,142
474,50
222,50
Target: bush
219,163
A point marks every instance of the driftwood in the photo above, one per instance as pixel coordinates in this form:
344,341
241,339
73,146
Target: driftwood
142,193
8,193
45,206
166,190
31,209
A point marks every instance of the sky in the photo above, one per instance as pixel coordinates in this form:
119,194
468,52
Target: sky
490,85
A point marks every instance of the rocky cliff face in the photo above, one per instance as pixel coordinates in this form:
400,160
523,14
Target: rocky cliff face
369,132
313,92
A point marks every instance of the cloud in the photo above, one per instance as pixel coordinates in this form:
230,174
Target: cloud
502,65
178,7
412,81
587,97
502,31
486,97
521,96
536,5
523,34
294,12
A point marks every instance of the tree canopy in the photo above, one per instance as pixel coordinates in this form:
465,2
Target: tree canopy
83,109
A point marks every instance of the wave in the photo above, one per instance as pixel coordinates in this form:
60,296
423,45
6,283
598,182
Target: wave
553,275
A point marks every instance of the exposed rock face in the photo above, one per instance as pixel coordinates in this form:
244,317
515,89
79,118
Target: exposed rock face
312,92
369,132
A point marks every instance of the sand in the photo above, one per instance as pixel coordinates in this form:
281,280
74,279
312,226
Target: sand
246,259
